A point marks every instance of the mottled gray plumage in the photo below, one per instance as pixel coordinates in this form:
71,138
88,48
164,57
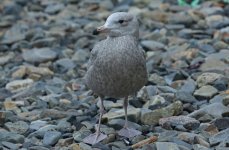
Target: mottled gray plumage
117,67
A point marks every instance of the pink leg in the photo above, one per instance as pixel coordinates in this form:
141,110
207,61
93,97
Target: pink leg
97,136
126,131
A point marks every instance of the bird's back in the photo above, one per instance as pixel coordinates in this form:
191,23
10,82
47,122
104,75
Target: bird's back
116,67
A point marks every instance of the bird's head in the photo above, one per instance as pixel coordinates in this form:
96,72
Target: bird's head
119,24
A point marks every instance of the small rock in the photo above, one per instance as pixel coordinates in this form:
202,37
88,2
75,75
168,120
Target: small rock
166,145
10,145
51,137
64,64
187,122
208,78
205,92
16,33
156,79
133,114
215,109
19,85
199,147
213,64
219,137
221,123
39,55
11,137
35,125
19,127
6,58
189,86
189,137
152,45
80,56
152,117
156,101
54,8
185,97
10,105
119,124
81,134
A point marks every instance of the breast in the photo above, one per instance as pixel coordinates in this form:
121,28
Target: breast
118,71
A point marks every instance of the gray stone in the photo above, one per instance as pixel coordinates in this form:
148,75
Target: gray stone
187,122
154,100
54,8
211,64
16,33
51,137
81,134
64,126
205,92
64,64
11,137
152,45
189,137
199,147
156,79
19,127
133,114
219,137
6,58
39,55
10,145
152,117
189,86
119,124
185,97
208,78
36,125
221,123
215,109
166,145
80,56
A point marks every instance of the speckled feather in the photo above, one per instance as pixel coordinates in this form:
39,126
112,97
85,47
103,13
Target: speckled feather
116,67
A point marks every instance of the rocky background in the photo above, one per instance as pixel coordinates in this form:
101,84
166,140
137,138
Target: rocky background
44,48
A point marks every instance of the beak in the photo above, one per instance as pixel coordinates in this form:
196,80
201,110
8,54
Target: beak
101,29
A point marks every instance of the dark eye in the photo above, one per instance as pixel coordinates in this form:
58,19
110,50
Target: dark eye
120,21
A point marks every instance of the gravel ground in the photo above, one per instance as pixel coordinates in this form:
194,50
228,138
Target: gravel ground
44,49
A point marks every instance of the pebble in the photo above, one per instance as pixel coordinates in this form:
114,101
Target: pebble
19,85
149,117
219,137
217,110
39,55
19,127
166,145
205,92
51,137
187,122
11,137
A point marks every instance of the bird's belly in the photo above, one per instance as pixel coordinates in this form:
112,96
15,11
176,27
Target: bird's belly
117,78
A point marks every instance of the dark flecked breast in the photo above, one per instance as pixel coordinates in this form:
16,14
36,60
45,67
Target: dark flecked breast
116,67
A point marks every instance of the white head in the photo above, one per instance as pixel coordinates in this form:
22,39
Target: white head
120,24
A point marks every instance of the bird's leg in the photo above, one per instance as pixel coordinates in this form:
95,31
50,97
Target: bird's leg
126,131
97,136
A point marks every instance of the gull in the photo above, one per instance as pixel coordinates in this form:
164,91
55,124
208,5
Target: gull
116,68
